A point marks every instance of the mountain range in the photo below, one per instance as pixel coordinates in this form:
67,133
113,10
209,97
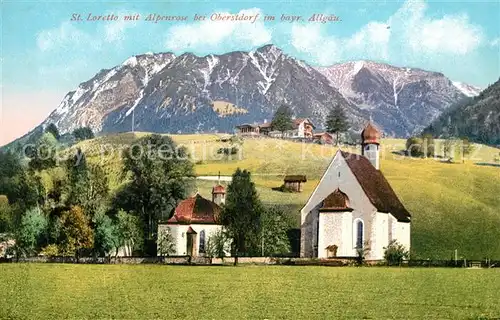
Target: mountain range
162,92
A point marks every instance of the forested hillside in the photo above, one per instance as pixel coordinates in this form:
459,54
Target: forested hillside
476,118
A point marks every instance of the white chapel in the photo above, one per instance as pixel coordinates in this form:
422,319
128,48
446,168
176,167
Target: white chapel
354,206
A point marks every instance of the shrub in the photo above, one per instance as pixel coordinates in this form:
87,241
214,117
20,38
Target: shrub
165,242
395,253
217,245
361,253
50,251
228,151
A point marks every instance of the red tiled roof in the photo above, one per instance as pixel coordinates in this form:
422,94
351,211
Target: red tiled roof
195,210
218,189
376,187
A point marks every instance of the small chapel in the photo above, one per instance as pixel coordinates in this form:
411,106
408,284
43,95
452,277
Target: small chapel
354,206
194,220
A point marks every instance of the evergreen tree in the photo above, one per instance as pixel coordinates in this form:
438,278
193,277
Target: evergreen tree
282,120
336,121
241,213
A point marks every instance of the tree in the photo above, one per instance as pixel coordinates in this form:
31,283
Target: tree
158,170
106,239
5,215
282,120
217,245
52,129
336,121
44,153
30,231
83,133
467,147
130,233
241,213
166,243
428,146
414,147
87,184
76,232
395,253
19,186
274,226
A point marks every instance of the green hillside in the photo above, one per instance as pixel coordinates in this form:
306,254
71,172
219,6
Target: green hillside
454,205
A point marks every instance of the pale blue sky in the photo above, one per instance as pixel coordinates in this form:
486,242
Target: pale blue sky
45,54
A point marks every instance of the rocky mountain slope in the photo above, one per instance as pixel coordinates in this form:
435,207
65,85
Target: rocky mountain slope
477,118
187,93
401,100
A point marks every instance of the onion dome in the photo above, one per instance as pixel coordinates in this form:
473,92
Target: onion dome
336,201
370,134
218,189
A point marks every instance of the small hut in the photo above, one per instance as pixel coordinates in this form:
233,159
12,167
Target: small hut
295,182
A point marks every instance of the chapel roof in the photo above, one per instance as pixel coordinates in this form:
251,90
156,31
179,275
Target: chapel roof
376,187
194,210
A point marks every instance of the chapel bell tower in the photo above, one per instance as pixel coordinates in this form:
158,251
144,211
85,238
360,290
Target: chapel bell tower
370,146
219,193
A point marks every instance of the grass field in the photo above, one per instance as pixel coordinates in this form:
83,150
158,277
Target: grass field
454,205
51,291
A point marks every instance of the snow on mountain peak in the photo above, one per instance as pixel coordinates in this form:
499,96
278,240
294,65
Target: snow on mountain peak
358,65
467,89
132,61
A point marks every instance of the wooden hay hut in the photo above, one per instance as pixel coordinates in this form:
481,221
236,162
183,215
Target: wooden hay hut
295,182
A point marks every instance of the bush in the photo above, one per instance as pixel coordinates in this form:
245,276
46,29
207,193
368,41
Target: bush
30,231
395,253
419,147
414,147
217,245
165,243
284,188
228,151
50,251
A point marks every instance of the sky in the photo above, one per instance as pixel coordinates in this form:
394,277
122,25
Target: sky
45,54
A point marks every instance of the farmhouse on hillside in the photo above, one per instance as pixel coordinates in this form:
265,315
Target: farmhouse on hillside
302,128
353,206
194,221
